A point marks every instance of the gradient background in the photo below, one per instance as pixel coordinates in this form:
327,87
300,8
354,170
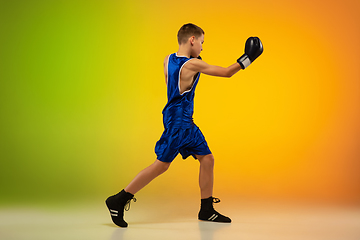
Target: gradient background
82,90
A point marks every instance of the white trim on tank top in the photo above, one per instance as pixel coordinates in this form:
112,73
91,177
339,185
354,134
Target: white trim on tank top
179,78
180,56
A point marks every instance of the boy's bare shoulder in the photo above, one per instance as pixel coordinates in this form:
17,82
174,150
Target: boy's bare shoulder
195,64
166,58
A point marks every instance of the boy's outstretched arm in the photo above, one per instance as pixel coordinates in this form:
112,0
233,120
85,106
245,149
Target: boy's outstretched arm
253,49
198,65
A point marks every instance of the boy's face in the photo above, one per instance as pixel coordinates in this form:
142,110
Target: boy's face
196,44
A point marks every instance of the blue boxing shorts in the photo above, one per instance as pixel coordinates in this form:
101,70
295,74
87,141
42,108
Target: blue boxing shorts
188,141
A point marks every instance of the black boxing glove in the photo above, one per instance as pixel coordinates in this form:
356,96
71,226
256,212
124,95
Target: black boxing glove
253,49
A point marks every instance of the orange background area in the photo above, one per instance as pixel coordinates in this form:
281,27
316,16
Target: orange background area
84,91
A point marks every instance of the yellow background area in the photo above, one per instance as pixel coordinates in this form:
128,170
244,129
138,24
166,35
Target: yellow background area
83,90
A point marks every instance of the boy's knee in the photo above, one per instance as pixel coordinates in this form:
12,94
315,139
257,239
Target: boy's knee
207,159
166,166
211,160
162,166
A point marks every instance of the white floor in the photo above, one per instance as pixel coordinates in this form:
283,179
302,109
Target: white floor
166,221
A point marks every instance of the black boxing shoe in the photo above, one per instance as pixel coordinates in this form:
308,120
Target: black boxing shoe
208,213
117,204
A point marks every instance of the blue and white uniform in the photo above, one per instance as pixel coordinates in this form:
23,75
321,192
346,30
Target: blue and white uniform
181,135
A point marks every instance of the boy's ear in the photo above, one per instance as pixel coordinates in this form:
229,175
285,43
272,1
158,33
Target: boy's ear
192,40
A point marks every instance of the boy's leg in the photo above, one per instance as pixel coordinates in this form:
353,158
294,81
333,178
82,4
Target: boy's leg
146,176
206,175
117,203
206,183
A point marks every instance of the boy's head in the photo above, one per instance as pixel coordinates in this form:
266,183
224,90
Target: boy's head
187,31
192,36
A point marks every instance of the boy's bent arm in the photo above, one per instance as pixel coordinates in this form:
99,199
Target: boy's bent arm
201,66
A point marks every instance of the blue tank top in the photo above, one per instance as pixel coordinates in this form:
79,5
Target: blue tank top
179,109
